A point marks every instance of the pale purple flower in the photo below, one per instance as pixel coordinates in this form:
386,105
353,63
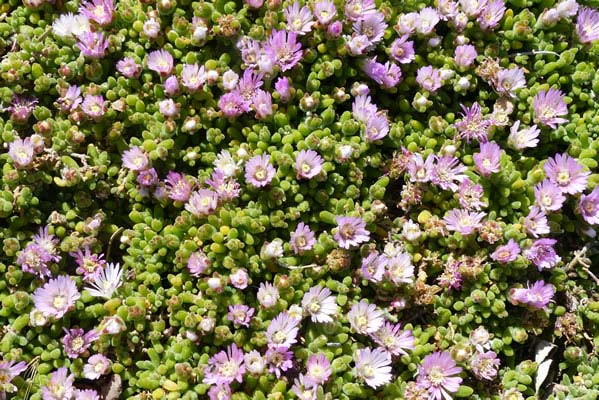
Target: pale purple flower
299,20
57,296
86,394
421,170
536,296
71,99
451,277
268,295
587,25
373,366
21,108
473,125
226,188
76,341
351,231
161,61
536,222
225,367
491,14
589,206
220,392
448,172
448,9
303,389
377,127
232,104
92,44
470,195
193,77
318,369
523,138
472,8
60,386
487,161
198,263
429,78
358,45
437,374
506,253
428,18
365,318
373,267
485,365
283,88
464,56
93,106
302,239
363,109
334,30
240,314
400,268
88,264
372,25
542,254
262,103
179,188
566,173
549,106
279,359
548,196
100,11
128,67
248,84
239,279
35,259
319,304
259,172
256,4
391,338
355,10
282,331
8,371
285,49
135,159
325,11
463,221
202,203
97,365
510,80
402,50
168,108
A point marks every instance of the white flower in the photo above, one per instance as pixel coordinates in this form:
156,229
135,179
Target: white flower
107,281
224,162
373,366
230,79
272,250
70,25
411,231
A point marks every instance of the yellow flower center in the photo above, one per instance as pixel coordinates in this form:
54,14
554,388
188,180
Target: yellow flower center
59,302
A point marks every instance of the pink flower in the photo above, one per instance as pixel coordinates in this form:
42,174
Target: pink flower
135,159
437,373
536,222
542,254
299,21
202,203
76,341
373,267
587,25
198,263
160,61
465,55
473,125
506,253
428,78
448,172
60,386
523,138
402,50
302,239
391,338
240,314
485,365
318,370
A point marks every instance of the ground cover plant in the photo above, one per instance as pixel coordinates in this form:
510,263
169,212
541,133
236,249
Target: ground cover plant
290,199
